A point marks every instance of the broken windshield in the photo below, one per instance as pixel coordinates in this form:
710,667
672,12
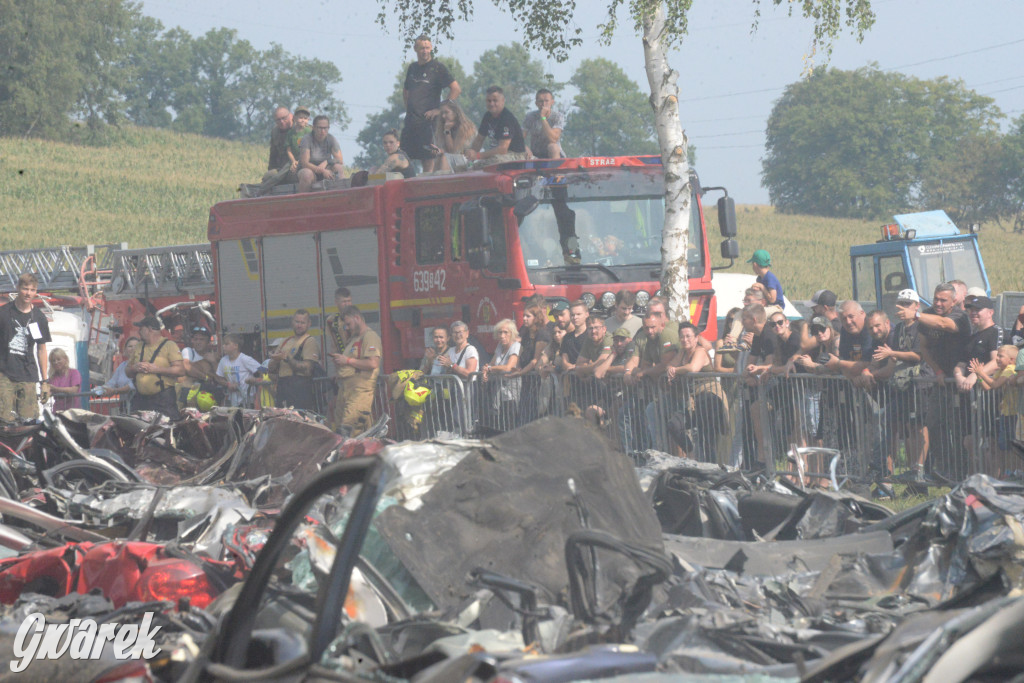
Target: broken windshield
611,218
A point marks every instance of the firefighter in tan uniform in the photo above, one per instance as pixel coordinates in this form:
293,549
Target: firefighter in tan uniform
358,366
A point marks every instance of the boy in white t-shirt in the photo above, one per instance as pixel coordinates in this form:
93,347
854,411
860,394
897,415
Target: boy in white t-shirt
234,372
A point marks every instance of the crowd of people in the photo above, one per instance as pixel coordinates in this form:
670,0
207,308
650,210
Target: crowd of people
436,134
917,367
166,373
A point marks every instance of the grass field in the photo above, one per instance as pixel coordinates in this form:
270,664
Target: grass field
152,187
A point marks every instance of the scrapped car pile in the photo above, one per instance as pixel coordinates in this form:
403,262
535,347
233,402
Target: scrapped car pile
262,545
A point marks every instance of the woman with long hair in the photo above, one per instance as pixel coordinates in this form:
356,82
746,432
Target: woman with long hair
453,134
63,380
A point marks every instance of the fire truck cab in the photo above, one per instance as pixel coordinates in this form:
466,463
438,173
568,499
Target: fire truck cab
427,251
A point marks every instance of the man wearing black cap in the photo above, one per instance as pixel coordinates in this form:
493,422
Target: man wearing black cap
154,365
824,301
983,343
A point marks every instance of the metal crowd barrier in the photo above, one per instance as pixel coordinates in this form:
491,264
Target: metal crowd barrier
114,404
779,423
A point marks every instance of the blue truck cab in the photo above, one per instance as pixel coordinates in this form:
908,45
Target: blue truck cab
918,251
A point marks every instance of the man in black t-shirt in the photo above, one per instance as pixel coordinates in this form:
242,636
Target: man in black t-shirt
983,343
500,130
24,334
945,330
424,81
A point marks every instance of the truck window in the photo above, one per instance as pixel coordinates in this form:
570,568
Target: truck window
499,248
456,231
864,278
429,235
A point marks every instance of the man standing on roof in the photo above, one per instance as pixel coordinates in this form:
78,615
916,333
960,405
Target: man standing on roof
500,130
424,81
766,279
23,329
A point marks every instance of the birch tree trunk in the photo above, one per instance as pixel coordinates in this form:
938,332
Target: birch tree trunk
665,102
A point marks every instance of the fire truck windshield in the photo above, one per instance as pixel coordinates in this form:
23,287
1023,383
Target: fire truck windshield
602,219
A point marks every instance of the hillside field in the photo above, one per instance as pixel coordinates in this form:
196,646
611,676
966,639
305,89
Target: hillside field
152,187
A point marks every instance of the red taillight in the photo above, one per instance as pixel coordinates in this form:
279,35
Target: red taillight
173,581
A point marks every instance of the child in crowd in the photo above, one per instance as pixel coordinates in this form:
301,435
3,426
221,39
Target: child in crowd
235,371
766,279
300,127
1005,378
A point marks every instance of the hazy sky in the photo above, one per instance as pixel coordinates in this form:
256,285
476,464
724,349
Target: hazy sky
729,77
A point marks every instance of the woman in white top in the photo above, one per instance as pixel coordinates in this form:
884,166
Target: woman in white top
505,360
461,358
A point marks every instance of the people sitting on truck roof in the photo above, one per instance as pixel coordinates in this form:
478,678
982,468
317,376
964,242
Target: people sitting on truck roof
300,129
543,126
453,135
766,279
279,162
321,155
499,136
397,161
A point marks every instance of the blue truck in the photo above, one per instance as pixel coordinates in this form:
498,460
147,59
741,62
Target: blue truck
917,252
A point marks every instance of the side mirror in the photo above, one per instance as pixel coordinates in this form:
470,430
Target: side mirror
478,242
727,217
730,249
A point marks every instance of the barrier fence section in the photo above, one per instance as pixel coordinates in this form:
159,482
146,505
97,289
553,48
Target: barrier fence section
734,420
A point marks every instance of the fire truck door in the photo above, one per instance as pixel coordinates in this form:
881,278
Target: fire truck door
348,258
290,281
238,268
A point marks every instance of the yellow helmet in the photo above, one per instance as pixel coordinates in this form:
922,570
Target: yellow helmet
200,399
415,395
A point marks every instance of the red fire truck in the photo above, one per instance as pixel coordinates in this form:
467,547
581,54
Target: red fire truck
427,251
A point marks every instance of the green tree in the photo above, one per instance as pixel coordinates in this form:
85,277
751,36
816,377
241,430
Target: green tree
512,69
867,143
393,116
57,58
1011,173
610,115
661,24
220,86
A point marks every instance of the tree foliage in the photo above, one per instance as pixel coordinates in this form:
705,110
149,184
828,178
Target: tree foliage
867,143
514,70
102,61
610,115
57,58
